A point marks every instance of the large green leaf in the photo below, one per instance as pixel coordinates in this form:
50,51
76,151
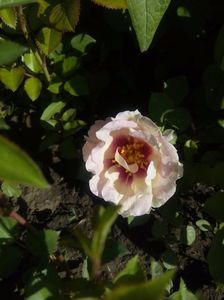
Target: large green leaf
150,290
146,16
10,51
8,3
33,88
112,3
9,17
65,15
48,39
16,166
12,78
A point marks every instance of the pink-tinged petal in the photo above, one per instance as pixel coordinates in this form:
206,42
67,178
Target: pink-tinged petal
133,168
151,173
128,115
137,205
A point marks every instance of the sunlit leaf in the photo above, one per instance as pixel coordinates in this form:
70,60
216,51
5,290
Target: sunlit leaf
112,3
132,272
65,15
48,39
16,166
203,225
11,189
33,88
31,62
188,235
150,290
183,293
51,110
9,17
69,114
156,269
12,78
81,41
146,16
9,230
8,3
10,51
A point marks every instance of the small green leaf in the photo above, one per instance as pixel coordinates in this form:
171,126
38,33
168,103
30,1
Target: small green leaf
178,118
48,39
150,290
215,257
11,190
12,78
69,65
9,230
183,293
55,85
43,243
188,235
170,259
81,41
116,4
69,114
132,272
156,269
10,258
158,104
9,17
77,86
203,225
65,15
214,206
31,62
51,110
10,51
9,3
183,12
33,87
16,166
146,16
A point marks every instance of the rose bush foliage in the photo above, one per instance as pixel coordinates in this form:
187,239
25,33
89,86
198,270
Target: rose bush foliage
133,163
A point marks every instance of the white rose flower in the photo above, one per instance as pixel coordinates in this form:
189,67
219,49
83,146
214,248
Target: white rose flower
133,164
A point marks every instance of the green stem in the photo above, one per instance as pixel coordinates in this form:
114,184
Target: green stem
33,47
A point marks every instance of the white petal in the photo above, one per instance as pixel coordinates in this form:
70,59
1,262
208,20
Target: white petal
151,172
133,168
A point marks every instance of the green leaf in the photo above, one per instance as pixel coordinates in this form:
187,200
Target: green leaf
203,225
77,86
9,17
158,104
48,39
54,87
43,243
11,189
69,114
3,124
118,4
102,226
150,290
33,87
177,88
178,118
156,269
12,78
215,257
183,12
9,3
9,230
10,51
16,166
10,258
214,206
183,293
113,249
65,15
43,285
31,62
51,110
69,64
132,272
81,41
188,235
146,16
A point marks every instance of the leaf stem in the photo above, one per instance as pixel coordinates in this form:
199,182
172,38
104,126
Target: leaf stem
40,58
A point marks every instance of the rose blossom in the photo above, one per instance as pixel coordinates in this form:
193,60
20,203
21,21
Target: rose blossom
133,164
